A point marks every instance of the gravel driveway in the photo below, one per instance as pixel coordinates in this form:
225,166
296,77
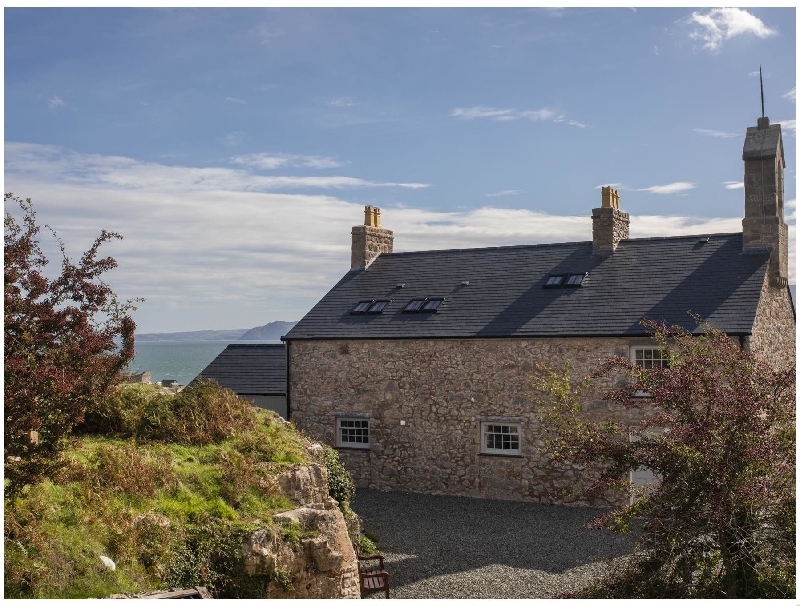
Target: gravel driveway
458,547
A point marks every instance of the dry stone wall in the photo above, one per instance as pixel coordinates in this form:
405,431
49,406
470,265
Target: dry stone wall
426,399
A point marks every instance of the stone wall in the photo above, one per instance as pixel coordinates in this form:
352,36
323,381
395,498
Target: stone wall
609,226
773,337
367,243
442,390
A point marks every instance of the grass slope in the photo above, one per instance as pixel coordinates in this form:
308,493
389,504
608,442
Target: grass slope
164,485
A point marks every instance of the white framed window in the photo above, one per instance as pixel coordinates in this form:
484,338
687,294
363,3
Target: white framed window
648,356
352,432
500,438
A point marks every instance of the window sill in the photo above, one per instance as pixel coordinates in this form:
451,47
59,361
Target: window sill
501,456
356,448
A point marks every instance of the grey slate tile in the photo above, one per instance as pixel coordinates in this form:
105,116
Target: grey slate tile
250,369
660,278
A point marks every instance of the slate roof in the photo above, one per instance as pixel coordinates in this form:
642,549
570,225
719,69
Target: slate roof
660,278
251,369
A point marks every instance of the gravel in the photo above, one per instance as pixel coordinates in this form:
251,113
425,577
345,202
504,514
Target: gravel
459,547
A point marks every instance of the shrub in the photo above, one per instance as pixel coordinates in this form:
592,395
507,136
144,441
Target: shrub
340,480
59,346
720,522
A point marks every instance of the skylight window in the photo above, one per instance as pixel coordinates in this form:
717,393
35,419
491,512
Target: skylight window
414,305
554,281
432,304
575,280
377,307
362,307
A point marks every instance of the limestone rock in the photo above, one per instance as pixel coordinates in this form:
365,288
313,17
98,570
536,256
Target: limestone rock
321,566
304,484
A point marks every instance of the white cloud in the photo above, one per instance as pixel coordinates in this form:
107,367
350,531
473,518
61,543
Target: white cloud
273,161
655,50
207,250
715,133
505,192
754,74
790,94
341,102
235,100
670,188
790,210
55,102
733,184
788,125
721,24
233,138
127,173
267,33
506,115
471,113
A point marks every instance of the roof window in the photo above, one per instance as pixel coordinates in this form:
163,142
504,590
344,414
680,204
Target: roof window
362,306
432,304
370,307
554,281
429,304
575,280
377,307
414,305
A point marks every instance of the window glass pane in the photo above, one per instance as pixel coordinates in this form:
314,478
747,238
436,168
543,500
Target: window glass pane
650,357
353,431
432,304
414,305
501,438
378,307
575,280
554,280
362,306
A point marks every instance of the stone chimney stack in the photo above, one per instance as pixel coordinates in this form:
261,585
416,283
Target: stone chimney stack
370,239
609,223
763,225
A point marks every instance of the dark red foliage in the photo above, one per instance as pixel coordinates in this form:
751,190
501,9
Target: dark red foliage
720,435
60,352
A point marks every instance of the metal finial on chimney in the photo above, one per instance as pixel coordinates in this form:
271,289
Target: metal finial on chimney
761,80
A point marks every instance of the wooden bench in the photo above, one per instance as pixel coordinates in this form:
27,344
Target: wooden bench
372,576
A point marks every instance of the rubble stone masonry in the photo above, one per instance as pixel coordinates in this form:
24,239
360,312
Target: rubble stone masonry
443,390
773,337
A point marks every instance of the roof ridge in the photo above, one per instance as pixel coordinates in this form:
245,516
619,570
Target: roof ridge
556,244
255,344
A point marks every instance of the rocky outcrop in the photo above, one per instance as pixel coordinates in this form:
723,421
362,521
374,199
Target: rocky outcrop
308,553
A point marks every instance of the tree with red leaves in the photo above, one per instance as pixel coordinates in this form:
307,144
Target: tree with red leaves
60,353
718,432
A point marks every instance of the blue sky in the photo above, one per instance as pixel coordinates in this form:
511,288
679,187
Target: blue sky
234,149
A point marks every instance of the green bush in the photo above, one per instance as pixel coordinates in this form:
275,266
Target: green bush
201,414
340,481
202,460
366,546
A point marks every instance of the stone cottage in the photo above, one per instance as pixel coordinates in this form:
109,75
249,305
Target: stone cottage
417,366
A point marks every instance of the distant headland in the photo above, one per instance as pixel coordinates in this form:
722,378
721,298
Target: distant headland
269,332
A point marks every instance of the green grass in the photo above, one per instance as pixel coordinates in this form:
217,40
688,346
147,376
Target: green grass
211,489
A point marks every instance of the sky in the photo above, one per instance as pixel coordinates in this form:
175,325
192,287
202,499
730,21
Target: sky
235,149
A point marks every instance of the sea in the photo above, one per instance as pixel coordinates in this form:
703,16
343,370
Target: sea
179,360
